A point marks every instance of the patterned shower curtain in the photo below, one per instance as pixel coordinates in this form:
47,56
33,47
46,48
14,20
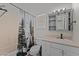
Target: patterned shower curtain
25,36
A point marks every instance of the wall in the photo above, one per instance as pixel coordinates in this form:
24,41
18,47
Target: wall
9,30
41,26
41,29
75,6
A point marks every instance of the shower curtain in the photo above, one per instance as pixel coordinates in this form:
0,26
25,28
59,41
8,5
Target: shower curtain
28,25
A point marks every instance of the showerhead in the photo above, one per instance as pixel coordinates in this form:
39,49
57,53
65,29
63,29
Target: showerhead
3,9
3,12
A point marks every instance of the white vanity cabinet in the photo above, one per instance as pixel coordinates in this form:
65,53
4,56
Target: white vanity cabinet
54,49
49,50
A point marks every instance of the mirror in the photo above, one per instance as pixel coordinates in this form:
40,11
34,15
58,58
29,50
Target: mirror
61,21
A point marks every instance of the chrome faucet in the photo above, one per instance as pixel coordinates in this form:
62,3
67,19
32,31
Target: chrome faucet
61,36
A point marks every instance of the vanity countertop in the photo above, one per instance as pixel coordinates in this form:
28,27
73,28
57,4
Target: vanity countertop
60,41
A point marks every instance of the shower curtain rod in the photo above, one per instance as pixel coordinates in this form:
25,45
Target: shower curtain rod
20,9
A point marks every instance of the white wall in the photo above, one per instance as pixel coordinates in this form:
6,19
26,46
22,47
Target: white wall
42,29
9,30
41,25
75,6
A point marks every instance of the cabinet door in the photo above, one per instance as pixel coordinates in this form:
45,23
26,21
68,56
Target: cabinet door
49,50
70,51
55,51
45,49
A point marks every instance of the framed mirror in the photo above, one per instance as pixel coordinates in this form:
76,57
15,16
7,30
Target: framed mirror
61,21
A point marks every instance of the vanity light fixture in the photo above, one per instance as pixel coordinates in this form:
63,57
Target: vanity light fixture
57,11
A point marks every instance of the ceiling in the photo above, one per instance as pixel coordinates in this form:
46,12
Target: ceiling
41,8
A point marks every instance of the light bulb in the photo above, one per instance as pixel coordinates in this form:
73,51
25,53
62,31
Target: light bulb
63,8
54,11
58,10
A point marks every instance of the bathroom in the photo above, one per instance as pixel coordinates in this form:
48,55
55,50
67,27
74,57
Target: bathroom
39,29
